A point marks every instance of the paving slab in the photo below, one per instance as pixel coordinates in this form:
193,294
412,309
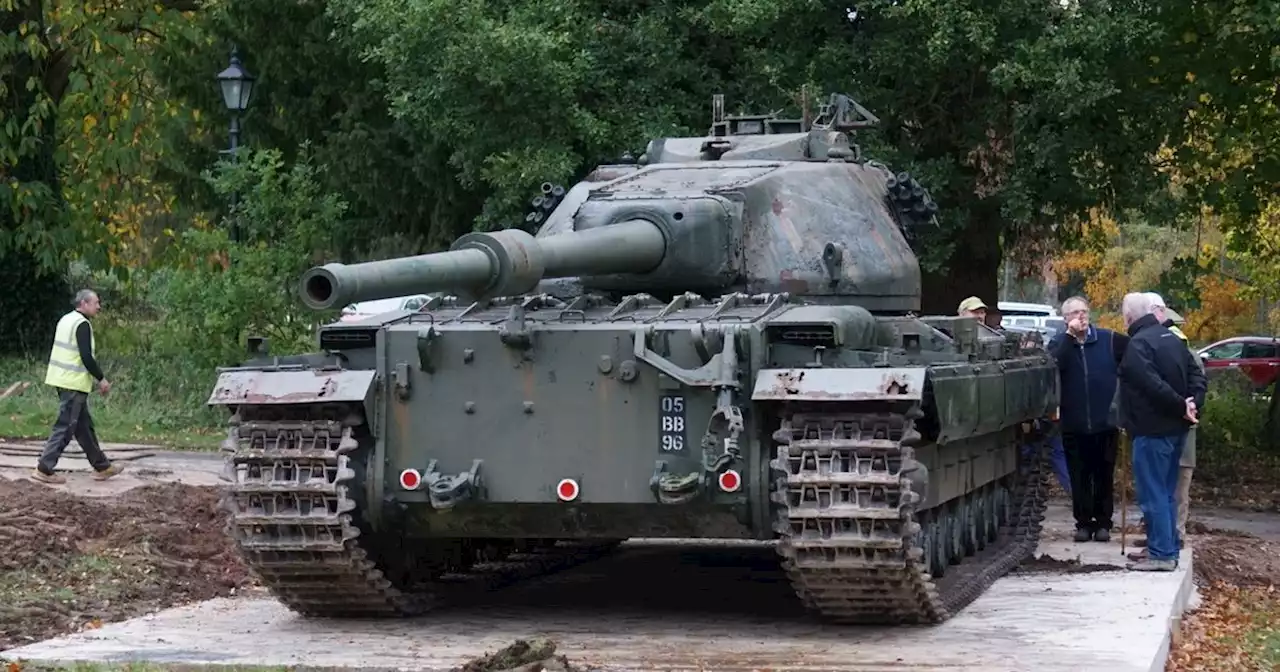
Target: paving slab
672,606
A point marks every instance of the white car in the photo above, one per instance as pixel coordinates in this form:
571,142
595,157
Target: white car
366,309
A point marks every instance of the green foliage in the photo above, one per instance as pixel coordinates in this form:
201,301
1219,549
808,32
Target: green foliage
1223,56
220,292
1234,424
145,405
314,90
78,138
74,146
523,91
30,207
1237,457
163,332
520,93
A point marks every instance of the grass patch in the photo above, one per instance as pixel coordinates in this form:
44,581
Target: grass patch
149,408
74,586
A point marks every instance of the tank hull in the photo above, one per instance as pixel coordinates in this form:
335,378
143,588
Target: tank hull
854,457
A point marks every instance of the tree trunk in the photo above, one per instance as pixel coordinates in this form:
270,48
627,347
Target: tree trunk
972,270
44,296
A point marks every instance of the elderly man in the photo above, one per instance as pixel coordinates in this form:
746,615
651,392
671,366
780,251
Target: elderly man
1161,388
1088,361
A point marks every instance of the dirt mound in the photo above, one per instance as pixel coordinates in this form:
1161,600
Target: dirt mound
1047,564
538,655
1237,560
73,562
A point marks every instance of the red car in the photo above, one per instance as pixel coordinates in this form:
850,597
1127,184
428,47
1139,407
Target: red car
1259,356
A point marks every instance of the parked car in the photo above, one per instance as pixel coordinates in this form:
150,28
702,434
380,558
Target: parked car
1257,356
1040,316
365,309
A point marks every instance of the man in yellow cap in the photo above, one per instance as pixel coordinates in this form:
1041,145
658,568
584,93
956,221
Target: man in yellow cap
72,372
973,307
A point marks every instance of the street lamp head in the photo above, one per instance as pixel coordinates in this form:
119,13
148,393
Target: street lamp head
237,85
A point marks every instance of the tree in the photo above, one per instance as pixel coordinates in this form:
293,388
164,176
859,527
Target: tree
316,91
1225,155
1015,115
84,58
1121,255
290,221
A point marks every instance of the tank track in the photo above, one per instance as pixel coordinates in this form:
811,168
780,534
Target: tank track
851,540
294,503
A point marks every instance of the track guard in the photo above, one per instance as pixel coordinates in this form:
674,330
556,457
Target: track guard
837,384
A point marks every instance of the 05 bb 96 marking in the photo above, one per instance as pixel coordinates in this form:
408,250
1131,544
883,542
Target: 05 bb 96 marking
671,427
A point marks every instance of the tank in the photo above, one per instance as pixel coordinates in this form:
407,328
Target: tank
718,340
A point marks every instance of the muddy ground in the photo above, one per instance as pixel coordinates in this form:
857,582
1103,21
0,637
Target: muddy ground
72,562
88,553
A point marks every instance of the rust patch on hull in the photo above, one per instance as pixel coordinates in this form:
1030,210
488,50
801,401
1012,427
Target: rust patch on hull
839,384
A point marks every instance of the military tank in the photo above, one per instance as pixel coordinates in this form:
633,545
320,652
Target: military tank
718,340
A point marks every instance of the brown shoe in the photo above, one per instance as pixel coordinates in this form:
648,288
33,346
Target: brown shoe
107,473
1139,555
51,479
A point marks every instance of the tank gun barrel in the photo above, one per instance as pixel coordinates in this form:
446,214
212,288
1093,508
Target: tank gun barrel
499,263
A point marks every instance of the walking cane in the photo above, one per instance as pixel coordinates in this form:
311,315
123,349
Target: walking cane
1124,489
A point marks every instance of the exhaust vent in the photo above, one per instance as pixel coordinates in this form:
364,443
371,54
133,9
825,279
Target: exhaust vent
808,335
348,339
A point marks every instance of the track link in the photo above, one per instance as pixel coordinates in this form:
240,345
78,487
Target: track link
294,499
851,539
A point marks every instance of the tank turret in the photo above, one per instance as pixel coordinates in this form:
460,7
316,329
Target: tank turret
758,205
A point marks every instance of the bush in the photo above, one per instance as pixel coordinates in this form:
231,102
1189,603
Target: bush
164,331
1234,422
1236,461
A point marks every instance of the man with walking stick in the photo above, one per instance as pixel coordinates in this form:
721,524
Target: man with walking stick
1161,390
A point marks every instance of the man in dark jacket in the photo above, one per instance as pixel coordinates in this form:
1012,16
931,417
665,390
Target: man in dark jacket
1161,390
1088,360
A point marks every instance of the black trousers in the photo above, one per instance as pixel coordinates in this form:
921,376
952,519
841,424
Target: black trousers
73,421
1091,461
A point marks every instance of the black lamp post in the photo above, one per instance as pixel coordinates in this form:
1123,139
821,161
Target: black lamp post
237,87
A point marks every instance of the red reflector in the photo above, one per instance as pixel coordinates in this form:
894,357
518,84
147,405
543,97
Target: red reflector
730,481
567,490
409,479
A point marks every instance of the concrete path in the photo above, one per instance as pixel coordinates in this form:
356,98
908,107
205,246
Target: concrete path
159,466
666,606
1261,524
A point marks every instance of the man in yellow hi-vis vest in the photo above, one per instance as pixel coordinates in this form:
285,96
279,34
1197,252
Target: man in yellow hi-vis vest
73,371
